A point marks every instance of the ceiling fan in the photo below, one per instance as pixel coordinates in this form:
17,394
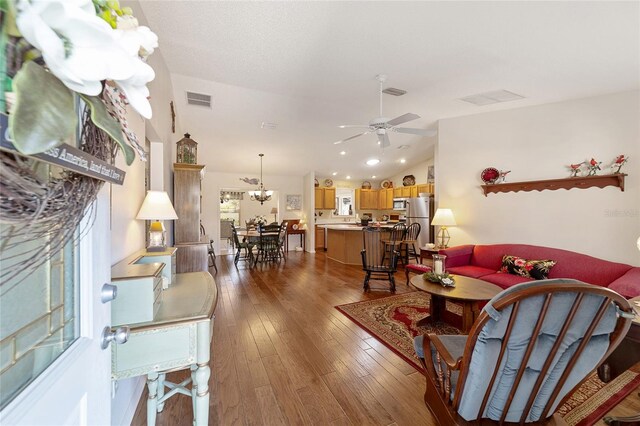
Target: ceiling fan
382,125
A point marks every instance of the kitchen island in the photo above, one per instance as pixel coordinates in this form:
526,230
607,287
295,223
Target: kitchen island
344,242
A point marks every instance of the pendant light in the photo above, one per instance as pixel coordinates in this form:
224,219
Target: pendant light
261,194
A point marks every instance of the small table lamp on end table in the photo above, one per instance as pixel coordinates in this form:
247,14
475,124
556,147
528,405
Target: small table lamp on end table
157,206
443,218
274,212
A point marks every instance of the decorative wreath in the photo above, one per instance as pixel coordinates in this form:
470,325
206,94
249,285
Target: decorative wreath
55,53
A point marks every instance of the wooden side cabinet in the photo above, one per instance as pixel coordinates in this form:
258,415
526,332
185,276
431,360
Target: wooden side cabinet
192,247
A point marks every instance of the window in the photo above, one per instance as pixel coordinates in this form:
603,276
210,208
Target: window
38,318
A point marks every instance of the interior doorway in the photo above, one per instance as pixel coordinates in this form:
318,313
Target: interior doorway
237,208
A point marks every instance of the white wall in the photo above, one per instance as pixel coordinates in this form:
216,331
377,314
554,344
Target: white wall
127,233
538,143
419,171
213,182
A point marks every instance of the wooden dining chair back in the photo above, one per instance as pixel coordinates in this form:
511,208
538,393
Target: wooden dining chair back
530,347
282,237
373,257
393,241
247,246
408,247
210,251
268,248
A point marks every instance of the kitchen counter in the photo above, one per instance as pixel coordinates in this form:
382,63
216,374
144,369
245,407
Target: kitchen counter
344,242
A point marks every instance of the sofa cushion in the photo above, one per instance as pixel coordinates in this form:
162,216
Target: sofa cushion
458,256
628,285
568,264
504,280
536,269
470,271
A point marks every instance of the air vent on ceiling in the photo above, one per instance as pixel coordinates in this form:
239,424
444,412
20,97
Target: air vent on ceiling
393,91
267,125
199,99
494,97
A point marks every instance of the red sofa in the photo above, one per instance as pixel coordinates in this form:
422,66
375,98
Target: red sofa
483,262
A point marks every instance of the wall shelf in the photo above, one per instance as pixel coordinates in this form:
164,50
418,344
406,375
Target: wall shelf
553,184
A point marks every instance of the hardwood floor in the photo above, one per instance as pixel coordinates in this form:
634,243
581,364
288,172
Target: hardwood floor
283,355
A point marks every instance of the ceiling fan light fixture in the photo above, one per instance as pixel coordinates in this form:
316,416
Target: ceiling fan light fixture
372,162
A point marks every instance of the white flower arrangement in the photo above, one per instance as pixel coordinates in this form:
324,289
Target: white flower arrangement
260,220
86,46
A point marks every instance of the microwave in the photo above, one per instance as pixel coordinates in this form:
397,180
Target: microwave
400,203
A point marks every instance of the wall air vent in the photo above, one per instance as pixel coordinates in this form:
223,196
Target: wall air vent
393,91
199,99
494,97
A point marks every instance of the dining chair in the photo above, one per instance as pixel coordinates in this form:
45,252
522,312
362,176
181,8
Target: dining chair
393,242
408,246
373,254
247,246
530,348
282,238
268,249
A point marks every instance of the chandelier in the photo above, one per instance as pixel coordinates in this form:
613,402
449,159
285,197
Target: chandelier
261,194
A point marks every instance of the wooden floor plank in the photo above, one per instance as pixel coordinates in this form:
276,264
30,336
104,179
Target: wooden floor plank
283,355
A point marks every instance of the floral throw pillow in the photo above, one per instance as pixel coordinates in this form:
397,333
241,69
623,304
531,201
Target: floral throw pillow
536,269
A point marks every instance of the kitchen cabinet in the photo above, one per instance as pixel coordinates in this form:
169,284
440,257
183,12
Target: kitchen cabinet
367,199
319,238
385,199
425,188
325,198
406,191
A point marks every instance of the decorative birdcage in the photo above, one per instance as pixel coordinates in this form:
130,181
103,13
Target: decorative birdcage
187,150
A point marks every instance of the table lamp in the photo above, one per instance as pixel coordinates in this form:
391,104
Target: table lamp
157,206
274,212
443,218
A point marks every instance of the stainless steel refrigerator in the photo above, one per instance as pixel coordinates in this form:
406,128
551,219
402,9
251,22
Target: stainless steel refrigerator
420,210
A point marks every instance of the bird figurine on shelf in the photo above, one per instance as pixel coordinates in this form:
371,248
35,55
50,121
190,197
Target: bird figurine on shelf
503,176
575,169
594,166
619,162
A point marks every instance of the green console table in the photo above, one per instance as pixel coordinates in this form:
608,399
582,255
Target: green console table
178,337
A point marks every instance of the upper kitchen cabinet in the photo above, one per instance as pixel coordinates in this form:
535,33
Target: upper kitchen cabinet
425,188
385,199
325,198
366,199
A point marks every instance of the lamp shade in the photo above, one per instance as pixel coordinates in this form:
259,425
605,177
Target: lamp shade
443,217
274,210
157,206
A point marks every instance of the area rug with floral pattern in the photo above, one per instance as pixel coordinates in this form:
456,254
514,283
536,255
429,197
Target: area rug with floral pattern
392,320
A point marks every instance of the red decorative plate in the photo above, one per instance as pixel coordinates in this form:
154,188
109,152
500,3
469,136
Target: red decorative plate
490,175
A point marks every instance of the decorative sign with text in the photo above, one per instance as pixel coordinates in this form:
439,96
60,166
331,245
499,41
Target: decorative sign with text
67,157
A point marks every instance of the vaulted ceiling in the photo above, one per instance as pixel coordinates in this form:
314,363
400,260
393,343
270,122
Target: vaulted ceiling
311,66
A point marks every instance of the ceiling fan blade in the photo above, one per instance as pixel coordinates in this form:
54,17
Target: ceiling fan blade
349,126
383,140
421,132
352,137
402,119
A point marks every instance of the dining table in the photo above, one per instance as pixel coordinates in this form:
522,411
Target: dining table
253,235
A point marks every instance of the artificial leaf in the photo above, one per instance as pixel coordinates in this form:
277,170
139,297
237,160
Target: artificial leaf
43,115
101,118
